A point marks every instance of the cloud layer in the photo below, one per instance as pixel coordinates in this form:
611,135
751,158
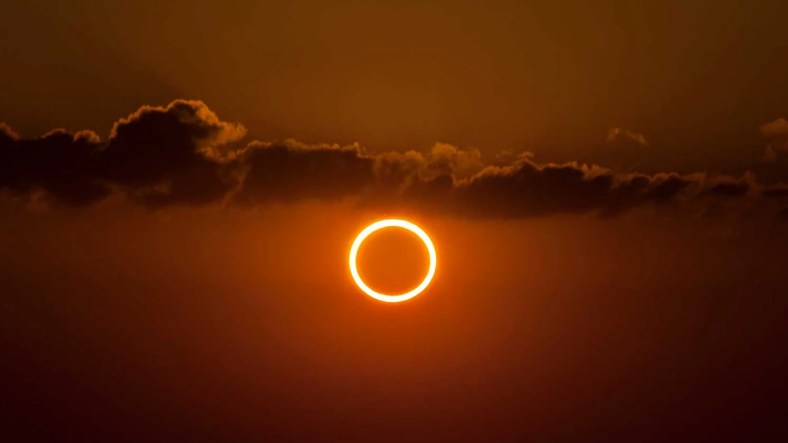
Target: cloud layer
183,154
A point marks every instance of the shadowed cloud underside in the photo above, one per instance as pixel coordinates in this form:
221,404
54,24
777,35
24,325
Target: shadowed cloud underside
184,154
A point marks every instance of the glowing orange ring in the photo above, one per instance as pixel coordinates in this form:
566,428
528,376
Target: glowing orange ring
392,223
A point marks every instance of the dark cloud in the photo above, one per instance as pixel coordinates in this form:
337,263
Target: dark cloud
526,188
158,155
291,171
730,189
626,137
774,165
175,154
775,192
530,189
61,164
184,154
777,133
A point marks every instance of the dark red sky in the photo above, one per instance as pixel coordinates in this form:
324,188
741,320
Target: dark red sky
606,187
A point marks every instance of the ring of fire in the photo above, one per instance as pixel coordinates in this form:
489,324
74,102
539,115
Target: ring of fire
392,223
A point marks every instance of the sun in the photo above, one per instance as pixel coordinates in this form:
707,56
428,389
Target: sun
392,223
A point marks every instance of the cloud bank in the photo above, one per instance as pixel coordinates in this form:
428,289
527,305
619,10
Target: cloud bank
183,154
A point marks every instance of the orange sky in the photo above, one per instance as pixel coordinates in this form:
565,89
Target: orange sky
245,323
606,188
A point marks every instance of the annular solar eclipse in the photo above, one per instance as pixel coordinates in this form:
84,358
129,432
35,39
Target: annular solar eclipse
392,223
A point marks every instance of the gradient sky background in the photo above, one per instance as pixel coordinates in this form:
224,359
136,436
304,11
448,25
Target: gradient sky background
697,78
606,186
